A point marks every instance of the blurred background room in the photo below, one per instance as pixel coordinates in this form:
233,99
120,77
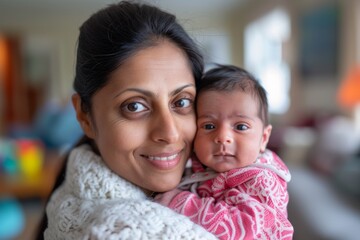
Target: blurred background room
306,53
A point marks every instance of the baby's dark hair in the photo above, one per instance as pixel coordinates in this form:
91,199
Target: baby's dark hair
232,78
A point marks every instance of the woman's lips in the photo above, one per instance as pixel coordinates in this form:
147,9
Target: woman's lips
164,161
168,158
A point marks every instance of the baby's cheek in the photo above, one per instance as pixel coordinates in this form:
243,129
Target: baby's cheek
199,144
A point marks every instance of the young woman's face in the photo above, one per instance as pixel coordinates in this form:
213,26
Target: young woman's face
143,120
230,133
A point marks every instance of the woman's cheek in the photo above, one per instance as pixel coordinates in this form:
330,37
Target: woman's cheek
191,128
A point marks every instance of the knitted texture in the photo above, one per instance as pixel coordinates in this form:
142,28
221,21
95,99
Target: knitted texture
243,203
95,203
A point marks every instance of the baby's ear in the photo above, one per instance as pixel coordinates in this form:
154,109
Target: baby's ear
265,137
83,117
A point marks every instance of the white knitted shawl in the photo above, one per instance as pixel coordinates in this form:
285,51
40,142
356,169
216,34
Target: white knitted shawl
95,203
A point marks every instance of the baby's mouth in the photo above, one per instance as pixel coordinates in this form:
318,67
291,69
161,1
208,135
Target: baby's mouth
223,154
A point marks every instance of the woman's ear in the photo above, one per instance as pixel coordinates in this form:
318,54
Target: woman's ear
265,137
83,117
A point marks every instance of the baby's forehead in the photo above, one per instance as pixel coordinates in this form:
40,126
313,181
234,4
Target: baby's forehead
229,92
203,97
235,96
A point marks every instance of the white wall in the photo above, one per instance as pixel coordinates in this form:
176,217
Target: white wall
307,95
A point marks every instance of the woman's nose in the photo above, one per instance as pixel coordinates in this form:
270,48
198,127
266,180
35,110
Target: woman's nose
223,136
165,128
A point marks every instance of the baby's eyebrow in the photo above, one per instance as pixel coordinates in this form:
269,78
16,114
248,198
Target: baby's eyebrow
205,116
244,116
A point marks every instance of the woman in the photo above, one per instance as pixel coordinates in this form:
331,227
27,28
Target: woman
135,88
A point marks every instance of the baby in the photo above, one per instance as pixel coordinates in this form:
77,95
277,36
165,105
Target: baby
239,188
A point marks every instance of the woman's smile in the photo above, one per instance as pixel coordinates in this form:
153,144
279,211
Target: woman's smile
162,158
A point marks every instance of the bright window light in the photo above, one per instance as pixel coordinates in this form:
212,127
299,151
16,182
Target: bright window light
264,40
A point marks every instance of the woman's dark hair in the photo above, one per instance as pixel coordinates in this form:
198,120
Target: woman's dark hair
115,33
232,78
112,35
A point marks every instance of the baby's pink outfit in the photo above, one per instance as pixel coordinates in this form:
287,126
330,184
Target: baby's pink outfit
243,203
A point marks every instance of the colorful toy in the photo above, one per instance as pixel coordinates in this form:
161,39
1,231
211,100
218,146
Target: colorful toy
21,156
30,156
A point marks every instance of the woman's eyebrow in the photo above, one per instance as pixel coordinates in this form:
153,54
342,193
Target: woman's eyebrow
149,93
176,91
138,90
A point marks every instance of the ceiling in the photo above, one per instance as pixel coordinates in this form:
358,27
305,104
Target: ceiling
181,8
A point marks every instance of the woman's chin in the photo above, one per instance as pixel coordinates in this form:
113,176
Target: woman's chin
166,186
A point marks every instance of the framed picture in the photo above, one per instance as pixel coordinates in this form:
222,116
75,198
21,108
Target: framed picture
319,42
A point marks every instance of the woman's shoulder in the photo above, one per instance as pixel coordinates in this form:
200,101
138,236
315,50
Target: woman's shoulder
136,219
120,218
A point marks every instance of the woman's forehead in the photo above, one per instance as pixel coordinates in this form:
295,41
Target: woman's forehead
163,67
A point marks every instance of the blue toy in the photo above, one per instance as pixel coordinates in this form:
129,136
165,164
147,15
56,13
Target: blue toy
12,219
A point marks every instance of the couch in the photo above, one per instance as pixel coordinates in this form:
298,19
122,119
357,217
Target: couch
324,161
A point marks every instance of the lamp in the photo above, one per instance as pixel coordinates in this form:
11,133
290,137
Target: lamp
349,95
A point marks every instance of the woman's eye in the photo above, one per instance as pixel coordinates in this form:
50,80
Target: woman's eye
209,126
134,107
183,103
241,127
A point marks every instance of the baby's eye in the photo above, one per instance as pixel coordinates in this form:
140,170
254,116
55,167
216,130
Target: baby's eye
209,126
183,103
241,127
134,107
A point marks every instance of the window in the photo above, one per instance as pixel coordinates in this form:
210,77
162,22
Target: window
263,51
